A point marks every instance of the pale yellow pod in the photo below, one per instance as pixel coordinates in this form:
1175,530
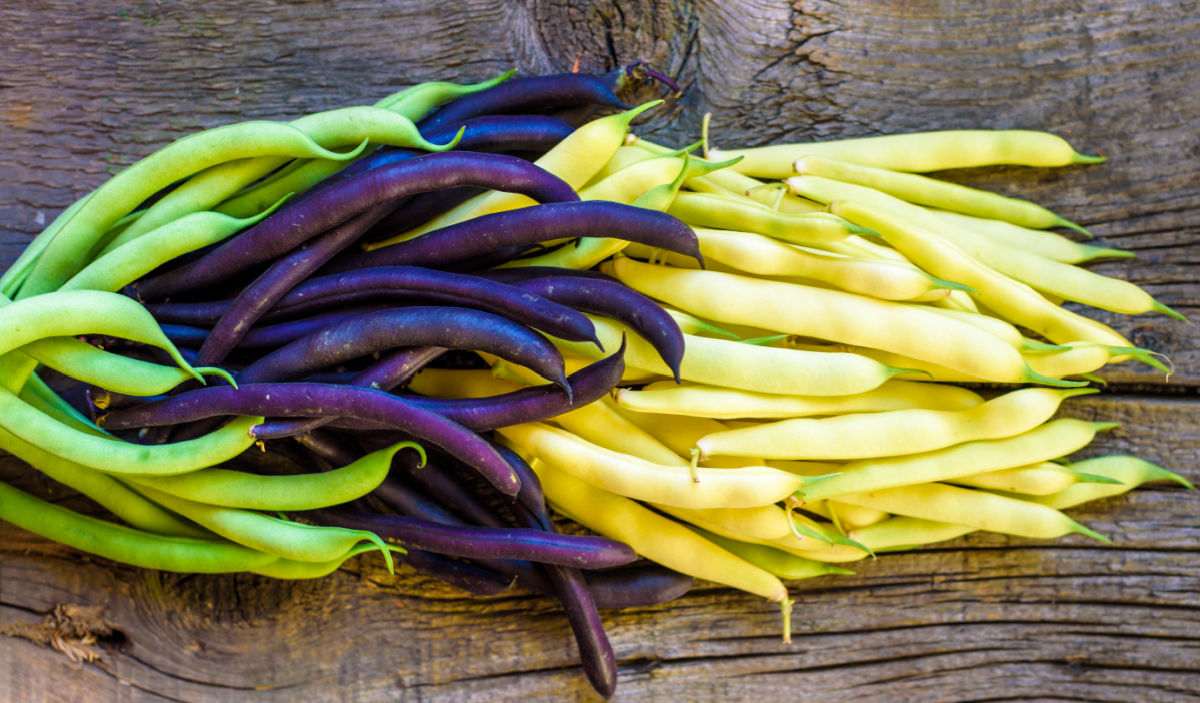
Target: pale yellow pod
656,483
601,425
725,403
1041,479
773,195
463,383
903,533
804,468
680,433
819,229
891,433
651,535
916,152
932,192
831,315
1043,243
762,525
763,256
915,233
1052,440
623,158
1129,470
846,516
992,325
979,510
746,366
958,300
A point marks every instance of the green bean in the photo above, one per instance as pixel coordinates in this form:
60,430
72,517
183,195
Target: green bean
105,490
128,258
114,372
918,152
111,457
69,250
125,544
774,561
283,538
43,398
237,489
70,313
289,569
932,192
16,274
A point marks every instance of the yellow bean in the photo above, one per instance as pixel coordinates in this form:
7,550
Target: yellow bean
976,509
680,434
931,192
1076,358
904,533
746,366
776,561
891,433
575,160
726,403
1048,244
819,229
958,300
916,152
831,315
657,483
1052,440
1011,300
460,383
1038,480
1129,470
653,536
764,256
601,425
992,325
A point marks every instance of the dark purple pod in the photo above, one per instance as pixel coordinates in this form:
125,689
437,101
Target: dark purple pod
544,93
338,200
532,404
198,314
531,495
407,500
280,333
615,300
280,277
186,335
531,225
330,448
486,542
517,274
637,585
435,480
324,400
461,574
463,289
457,328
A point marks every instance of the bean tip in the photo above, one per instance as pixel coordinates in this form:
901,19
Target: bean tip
1081,529
1064,222
1087,159
1084,477
1169,312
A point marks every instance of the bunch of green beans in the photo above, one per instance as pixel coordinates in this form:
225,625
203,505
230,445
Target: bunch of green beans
181,511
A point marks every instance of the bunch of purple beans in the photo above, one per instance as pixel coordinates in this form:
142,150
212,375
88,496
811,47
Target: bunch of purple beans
273,283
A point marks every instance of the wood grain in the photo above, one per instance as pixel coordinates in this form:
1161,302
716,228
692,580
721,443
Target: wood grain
85,89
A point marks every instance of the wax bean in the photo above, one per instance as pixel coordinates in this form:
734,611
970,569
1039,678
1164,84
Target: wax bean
1052,440
892,432
776,561
643,480
724,403
1129,471
917,151
1040,479
1050,245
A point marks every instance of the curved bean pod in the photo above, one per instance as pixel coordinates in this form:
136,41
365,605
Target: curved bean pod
340,200
113,372
323,400
365,334
489,543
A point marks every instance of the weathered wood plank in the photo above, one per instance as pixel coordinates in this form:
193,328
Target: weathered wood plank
85,89
952,622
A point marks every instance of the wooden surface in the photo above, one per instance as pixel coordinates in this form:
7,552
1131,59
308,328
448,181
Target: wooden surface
84,91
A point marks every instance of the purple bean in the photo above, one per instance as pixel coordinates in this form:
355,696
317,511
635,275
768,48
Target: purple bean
460,574
637,585
531,495
459,328
185,334
615,300
534,93
328,447
407,500
203,314
281,333
333,203
281,276
434,480
486,542
517,274
512,302
529,404
530,225
324,400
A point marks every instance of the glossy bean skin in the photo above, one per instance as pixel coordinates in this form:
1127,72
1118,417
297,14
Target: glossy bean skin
340,200
324,400
125,544
365,334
